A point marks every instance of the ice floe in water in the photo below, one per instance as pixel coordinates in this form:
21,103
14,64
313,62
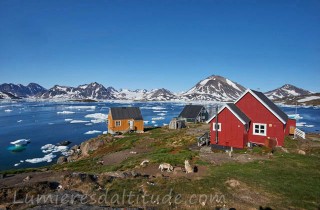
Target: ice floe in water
304,124
79,121
68,120
65,112
16,148
20,142
8,110
153,108
92,132
19,121
88,124
97,117
17,164
81,107
50,148
47,158
301,124
158,118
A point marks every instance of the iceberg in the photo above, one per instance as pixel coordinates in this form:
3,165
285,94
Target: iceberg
20,142
92,132
158,118
81,107
79,121
47,158
97,117
50,148
65,112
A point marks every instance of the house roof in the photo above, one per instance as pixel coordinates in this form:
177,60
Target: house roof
191,111
122,113
235,111
274,109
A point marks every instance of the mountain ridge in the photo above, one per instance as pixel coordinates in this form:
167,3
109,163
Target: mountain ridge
212,88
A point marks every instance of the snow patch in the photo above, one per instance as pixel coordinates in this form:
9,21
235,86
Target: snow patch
232,84
309,98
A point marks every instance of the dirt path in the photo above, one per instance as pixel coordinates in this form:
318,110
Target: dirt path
117,157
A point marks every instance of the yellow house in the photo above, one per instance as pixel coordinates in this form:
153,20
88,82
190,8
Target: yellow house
125,119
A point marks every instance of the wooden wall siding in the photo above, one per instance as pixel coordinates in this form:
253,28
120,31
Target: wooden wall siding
257,113
138,125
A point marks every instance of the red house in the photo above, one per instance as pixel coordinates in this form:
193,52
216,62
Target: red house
252,118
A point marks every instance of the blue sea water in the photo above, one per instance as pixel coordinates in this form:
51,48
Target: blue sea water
42,124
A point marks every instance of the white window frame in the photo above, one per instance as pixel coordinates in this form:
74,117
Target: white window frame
259,133
214,126
116,122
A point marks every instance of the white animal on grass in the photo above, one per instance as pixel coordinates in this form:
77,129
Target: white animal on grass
166,166
188,167
230,153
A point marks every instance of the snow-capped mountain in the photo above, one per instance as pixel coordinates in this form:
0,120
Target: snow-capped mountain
286,90
19,90
126,94
160,95
215,88
4,95
145,95
89,91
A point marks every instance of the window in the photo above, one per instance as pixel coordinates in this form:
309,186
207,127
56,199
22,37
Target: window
118,123
214,126
259,129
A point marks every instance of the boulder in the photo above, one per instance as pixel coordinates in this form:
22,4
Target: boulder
301,152
89,146
75,147
233,183
62,160
27,178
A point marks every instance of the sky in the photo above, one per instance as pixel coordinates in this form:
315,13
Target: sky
145,44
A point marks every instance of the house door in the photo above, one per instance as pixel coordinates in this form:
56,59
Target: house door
131,124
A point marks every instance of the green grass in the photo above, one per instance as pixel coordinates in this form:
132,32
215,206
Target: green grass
291,180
